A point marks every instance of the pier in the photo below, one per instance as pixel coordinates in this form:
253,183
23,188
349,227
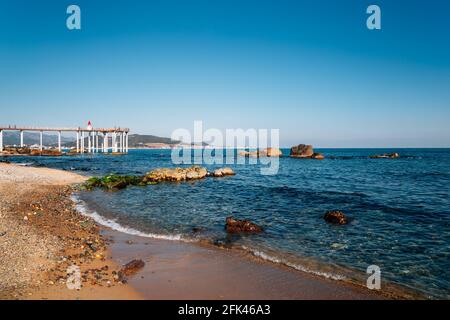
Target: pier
88,140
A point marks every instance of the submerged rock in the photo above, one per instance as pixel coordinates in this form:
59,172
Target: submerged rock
394,155
335,217
112,182
237,226
130,268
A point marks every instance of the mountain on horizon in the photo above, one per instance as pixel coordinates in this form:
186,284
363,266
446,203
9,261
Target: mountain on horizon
31,138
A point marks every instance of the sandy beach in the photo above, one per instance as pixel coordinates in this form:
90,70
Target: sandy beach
42,234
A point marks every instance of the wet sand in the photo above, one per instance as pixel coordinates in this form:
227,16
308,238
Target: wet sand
179,270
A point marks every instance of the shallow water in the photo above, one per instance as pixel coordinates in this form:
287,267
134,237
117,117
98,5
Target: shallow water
399,210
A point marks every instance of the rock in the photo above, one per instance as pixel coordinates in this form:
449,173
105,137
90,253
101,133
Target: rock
335,217
223,172
273,152
268,152
197,229
305,152
237,226
317,156
130,268
394,155
225,243
254,154
46,152
112,182
175,174
302,151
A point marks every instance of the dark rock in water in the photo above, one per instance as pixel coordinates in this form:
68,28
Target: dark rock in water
225,243
335,217
302,151
197,229
394,155
130,268
237,226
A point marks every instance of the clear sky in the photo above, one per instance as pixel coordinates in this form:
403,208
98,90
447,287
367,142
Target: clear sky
310,68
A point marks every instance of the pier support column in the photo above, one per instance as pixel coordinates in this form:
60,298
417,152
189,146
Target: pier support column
1,140
21,138
89,142
78,142
40,140
105,142
59,141
121,141
93,142
114,142
82,141
96,142
126,142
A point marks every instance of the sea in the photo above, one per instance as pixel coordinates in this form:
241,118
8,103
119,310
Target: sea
398,210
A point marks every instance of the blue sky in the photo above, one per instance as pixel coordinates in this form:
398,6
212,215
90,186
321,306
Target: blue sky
310,68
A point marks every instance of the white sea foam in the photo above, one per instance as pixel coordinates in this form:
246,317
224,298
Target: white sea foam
267,257
85,211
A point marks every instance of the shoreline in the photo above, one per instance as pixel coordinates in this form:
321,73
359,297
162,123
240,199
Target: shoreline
171,266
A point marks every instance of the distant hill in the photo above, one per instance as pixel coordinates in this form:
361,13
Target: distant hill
134,140
30,138
141,140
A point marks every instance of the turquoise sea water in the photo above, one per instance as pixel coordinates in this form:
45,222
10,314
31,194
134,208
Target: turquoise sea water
399,210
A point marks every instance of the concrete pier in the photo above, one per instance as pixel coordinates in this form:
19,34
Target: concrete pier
95,143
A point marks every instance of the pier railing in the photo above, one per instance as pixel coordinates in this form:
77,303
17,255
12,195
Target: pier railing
97,138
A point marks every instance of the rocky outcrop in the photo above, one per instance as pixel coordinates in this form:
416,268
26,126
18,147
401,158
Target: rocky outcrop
272,152
223,172
302,151
116,182
25,151
112,182
305,151
16,151
175,174
267,152
241,226
254,154
46,152
335,217
394,155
